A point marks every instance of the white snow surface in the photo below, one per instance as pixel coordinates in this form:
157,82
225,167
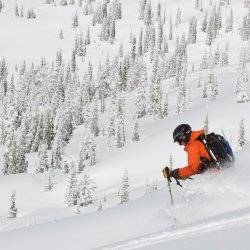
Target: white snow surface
212,211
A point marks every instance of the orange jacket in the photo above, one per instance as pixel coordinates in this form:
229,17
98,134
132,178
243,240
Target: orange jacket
195,150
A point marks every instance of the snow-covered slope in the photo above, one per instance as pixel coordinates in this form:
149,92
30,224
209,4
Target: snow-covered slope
211,211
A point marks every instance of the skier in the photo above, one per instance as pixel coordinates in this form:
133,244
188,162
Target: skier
199,159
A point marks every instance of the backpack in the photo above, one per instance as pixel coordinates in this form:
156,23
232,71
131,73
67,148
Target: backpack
218,148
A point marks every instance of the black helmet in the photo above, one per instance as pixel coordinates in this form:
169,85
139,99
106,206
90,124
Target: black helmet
182,133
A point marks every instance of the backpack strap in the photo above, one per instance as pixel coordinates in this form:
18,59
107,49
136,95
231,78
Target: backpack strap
202,139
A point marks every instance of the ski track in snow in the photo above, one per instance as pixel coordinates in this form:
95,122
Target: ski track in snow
164,236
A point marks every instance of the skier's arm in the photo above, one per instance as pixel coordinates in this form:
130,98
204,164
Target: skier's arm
193,163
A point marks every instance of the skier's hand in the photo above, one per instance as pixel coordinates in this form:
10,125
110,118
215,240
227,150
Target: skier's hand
175,174
167,173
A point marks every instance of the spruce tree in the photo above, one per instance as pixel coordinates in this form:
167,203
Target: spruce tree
49,183
204,23
165,108
61,36
86,191
206,125
242,134
75,22
71,191
99,206
43,164
136,136
229,22
170,33
242,79
212,84
124,189
12,209
192,30
141,101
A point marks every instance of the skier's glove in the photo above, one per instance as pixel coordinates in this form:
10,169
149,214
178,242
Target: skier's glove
167,173
175,174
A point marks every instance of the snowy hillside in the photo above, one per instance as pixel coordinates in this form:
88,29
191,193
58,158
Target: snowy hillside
90,92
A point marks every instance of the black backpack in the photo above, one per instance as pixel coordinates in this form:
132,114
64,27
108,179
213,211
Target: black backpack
218,148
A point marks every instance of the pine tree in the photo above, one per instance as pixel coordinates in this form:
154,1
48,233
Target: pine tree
141,101
229,22
159,37
88,36
73,61
13,210
242,134
158,12
136,136
121,50
197,4
170,33
182,98
61,36
206,125
209,38
204,23
86,191
16,11
204,90
99,206
75,22
71,192
78,207
133,50
94,127
21,12
178,17
43,159
92,150
49,183
124,189
142,9
164,110
192,30
155,94
212,84
140,49
148,14
242,79
119,135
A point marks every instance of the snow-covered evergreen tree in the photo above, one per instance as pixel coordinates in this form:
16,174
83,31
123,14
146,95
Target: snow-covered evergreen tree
155,92
43,164
124,189
229,22
206,125
12,209
192,30
165,108
136,136
71,191
49,182
75,22
212,84
242,79
99,206
86,191
242,134
61,36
